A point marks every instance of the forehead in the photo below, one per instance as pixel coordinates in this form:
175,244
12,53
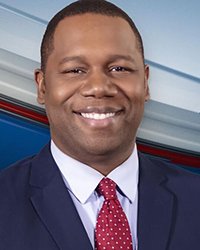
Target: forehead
95,37
96,27
92,18
88,20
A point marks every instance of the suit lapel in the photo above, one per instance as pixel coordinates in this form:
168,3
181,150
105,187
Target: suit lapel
54,205
156,207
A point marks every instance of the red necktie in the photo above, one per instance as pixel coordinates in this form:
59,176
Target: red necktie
112,228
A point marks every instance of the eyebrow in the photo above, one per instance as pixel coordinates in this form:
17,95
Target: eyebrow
128,58
111,58
72,58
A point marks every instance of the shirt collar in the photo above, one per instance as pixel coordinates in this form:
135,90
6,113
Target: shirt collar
82,180
126,176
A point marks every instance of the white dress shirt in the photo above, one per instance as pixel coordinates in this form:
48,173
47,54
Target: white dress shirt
81,181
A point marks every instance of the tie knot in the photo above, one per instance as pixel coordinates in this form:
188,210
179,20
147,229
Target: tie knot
107,188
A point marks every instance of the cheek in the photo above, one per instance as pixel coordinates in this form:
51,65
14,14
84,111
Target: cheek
58,93
133,86
136,94
136,97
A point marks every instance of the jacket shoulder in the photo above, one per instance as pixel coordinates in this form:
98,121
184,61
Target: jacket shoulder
14,177
167,168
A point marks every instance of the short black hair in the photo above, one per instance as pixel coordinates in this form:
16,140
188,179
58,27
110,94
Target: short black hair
82,7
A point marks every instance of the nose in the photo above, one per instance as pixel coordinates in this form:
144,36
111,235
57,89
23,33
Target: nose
98,85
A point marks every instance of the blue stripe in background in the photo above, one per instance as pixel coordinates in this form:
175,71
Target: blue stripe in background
22,13
20,138
173,71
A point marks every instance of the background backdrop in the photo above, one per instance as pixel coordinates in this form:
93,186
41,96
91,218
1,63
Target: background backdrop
170,31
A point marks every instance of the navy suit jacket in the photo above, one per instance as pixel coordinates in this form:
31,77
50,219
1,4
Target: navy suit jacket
37,212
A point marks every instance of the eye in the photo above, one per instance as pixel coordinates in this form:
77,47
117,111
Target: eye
119,69
74,71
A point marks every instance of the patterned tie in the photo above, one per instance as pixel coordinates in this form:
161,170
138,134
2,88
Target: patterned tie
112,228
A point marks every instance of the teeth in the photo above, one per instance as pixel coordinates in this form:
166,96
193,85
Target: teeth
97,116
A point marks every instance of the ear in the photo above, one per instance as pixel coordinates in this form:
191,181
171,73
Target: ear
146,82
40,83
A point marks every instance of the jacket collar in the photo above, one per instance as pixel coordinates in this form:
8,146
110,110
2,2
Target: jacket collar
156,207
54,205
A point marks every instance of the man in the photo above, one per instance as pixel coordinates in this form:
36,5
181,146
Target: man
93,82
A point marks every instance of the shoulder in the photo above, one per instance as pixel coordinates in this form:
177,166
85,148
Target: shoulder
158,174
20,166
157,167
14,177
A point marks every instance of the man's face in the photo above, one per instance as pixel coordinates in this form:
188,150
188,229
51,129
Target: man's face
94,87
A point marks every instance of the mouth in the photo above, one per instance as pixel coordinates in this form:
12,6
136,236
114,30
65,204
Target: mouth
98,116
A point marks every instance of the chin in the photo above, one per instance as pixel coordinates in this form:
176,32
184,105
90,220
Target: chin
102,147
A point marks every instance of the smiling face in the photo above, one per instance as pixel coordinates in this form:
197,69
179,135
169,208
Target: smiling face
94,88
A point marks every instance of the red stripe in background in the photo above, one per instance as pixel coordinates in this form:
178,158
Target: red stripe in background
24,112
176,157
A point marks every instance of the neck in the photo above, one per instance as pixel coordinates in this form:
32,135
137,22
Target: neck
106,163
